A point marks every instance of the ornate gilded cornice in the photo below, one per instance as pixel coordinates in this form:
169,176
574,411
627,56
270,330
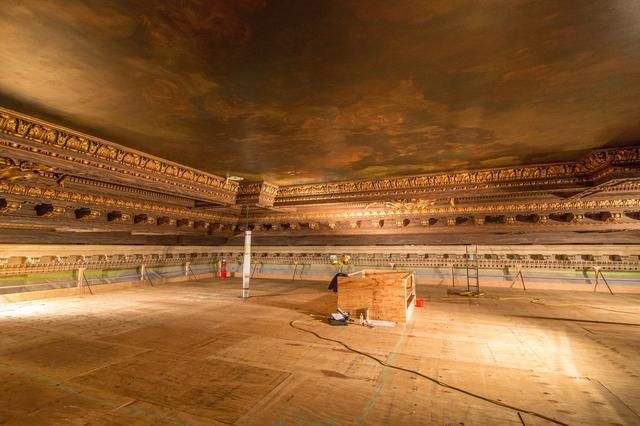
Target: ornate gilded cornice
14,171
110,158
594,165
543,206
53,194
131,191
262,194
411,205
45,165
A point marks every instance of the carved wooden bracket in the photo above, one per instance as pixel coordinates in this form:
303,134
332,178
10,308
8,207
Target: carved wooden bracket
141,218
82,213
44,209
163,220
182,223
115,216
200,225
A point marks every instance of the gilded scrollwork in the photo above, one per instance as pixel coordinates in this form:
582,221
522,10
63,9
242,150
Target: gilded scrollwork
403,204
44,193
542,206
260,193
564,172
506,191
20,126
12,170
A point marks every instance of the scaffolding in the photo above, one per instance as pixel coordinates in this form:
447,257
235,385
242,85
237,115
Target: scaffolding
473,269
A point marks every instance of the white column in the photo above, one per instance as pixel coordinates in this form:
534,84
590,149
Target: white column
246,265
141,270
186,268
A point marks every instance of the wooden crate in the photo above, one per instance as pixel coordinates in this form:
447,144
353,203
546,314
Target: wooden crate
389,295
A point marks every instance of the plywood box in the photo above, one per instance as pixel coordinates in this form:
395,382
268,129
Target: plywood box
388,295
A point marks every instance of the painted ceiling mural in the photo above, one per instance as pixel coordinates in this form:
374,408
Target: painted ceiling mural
303,91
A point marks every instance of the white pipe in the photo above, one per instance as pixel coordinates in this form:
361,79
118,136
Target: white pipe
246,265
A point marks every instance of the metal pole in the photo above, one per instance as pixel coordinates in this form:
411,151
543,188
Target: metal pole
191,270
605,281
87,281
246,265
466,264
301,271
453,277
253,272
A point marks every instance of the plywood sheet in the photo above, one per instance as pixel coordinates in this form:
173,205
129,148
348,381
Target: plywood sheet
123,359
382,293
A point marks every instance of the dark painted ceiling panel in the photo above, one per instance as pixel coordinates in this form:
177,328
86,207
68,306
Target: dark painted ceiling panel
300,91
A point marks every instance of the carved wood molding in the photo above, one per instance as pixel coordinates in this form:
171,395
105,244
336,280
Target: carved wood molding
18,258
257,193
89,199
594,165
138,192
65,144
543,206
103,178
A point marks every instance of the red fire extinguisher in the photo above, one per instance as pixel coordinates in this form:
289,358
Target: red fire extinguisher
223,268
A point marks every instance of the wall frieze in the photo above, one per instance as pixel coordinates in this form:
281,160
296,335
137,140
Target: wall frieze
32,259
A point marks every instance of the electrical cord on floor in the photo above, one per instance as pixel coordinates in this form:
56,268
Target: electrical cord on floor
431,379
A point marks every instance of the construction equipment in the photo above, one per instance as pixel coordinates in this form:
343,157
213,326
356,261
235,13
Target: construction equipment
255,266
518,275
599,274
473,269
339,318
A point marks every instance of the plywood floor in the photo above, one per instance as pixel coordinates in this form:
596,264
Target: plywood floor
196,354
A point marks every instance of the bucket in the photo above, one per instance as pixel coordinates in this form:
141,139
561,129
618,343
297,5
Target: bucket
420,303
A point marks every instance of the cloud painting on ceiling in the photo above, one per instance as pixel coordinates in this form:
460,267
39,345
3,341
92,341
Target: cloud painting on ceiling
304,91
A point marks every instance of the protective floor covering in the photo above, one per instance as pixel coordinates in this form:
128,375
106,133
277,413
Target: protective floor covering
196,354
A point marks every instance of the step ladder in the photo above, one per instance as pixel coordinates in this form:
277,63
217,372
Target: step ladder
473,269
